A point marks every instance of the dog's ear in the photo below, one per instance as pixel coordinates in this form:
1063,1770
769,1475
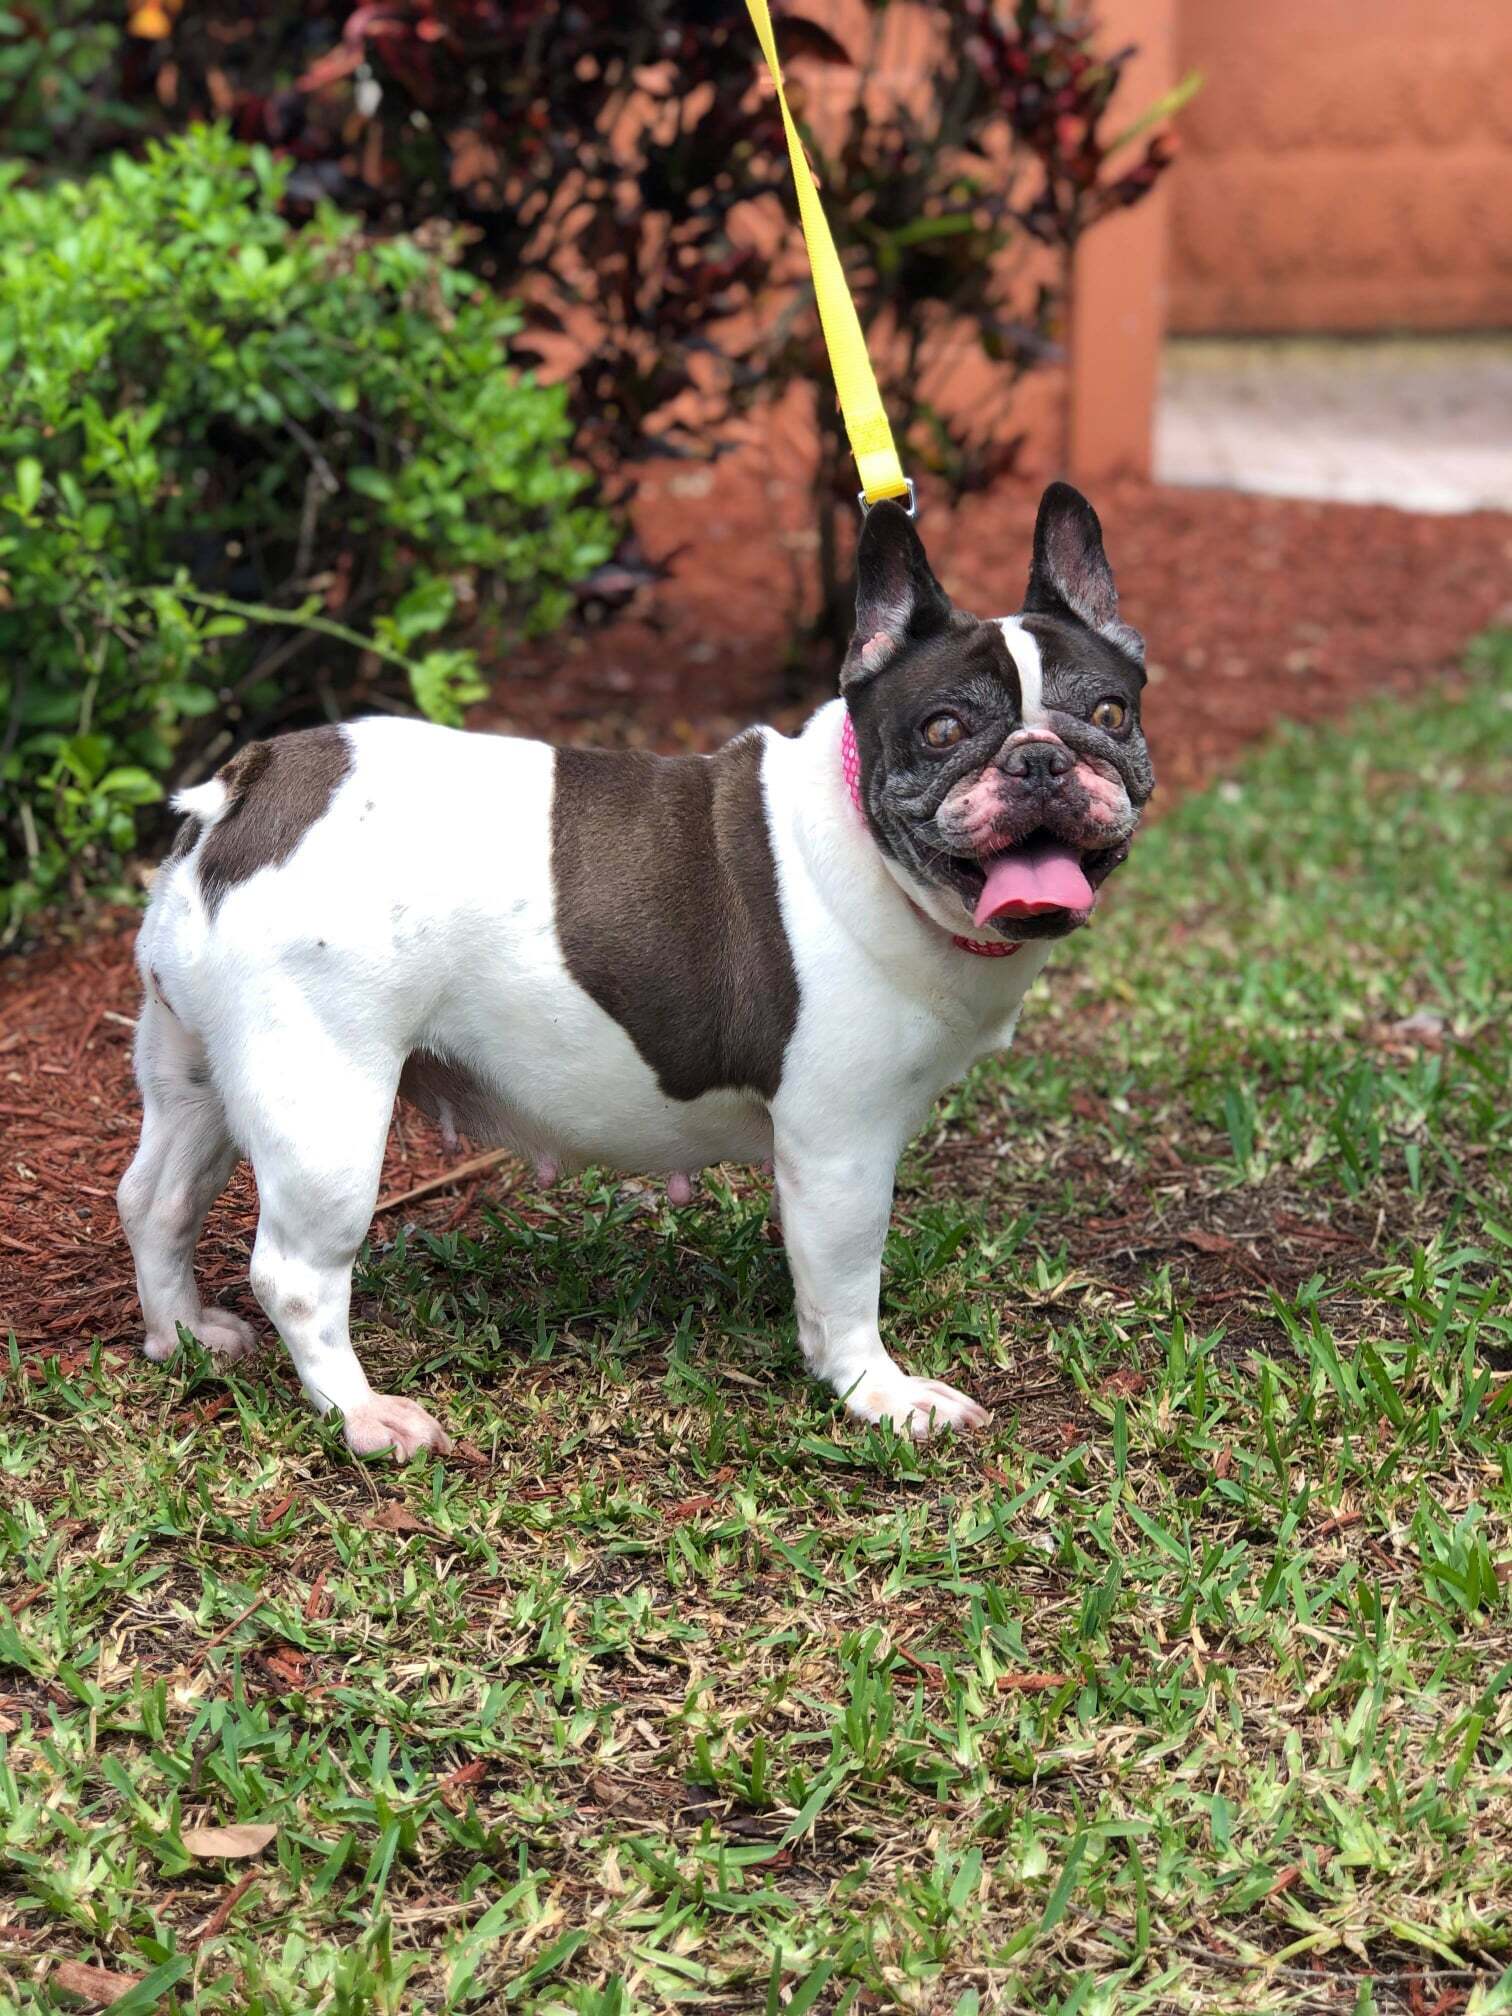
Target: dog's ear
897,596
1070,574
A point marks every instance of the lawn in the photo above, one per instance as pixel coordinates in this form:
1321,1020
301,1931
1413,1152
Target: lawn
1186,1687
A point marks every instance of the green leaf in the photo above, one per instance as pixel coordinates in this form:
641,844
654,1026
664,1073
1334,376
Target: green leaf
556,1955
148,1993
824,1790
467,1953
444,683
426,608
371,483
85,756
133,784
809,1989
28,483
1165,107
187,698
1055,1910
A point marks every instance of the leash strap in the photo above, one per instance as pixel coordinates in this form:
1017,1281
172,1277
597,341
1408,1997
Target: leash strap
855,382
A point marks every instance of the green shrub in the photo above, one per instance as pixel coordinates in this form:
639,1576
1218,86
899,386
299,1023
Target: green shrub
249,475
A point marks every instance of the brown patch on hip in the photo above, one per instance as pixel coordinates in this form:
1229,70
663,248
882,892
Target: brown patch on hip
667,911
276,792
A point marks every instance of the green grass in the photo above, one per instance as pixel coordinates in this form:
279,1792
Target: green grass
1187,1687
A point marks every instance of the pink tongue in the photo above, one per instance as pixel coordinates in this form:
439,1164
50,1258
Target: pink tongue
1044,875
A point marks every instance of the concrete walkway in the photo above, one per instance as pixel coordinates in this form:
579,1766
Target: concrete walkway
1424,423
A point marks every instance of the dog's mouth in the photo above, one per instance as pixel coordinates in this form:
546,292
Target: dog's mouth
1041,887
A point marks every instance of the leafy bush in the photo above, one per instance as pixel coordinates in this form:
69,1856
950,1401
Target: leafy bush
229,442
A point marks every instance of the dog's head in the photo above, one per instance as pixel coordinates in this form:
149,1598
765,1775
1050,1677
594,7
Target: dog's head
1003,768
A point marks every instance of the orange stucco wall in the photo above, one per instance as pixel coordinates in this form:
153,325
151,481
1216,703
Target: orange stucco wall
1347,166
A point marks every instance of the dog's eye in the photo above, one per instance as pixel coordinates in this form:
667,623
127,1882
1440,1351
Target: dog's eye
1109,715
943,731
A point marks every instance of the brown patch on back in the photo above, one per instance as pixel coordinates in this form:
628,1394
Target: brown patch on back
667,911
277,791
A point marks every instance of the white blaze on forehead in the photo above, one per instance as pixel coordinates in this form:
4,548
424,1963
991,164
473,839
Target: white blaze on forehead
1024,652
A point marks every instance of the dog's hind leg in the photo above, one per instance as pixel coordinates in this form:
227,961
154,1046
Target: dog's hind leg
182,1164
312,1106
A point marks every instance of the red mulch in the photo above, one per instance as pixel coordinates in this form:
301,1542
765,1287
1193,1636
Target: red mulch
1255,609
68,1127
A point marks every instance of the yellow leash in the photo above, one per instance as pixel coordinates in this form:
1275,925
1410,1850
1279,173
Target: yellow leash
855,382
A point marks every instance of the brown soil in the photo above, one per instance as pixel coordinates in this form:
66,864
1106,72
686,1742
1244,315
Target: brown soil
1256,609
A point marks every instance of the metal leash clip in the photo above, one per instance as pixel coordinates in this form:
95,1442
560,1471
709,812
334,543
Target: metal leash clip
911,507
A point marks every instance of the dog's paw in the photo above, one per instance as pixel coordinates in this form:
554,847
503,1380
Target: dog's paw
917,1407
226,1337
385,1422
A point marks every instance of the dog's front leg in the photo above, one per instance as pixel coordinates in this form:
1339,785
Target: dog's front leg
836,1201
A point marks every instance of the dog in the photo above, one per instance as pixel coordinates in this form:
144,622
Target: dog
783,952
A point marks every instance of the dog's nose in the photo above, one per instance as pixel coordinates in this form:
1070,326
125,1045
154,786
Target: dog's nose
1038,762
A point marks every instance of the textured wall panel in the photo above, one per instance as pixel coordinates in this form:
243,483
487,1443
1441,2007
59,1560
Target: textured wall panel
1348,166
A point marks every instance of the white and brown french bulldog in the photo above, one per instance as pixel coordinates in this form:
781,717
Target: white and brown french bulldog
784,951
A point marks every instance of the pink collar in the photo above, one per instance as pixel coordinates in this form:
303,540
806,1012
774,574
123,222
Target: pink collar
850,763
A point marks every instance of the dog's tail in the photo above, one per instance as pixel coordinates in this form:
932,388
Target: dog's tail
222,793
206,802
